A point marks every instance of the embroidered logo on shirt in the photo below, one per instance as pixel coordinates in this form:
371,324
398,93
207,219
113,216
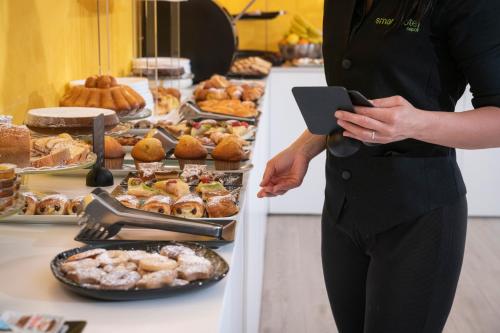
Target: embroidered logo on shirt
410,25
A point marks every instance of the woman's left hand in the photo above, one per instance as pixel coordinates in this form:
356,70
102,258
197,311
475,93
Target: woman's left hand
391,119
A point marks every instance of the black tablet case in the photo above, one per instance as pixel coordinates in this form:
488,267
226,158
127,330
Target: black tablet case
318,105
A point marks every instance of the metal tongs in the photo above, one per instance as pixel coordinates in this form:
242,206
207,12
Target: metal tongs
169,141
105,216
189,111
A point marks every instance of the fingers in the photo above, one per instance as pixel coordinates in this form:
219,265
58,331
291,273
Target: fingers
268,174
359,120
268,193
378,138
389,102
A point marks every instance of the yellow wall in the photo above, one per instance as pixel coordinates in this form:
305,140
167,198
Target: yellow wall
253,33
46,43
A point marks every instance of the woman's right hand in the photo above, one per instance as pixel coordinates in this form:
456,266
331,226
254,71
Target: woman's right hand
284,172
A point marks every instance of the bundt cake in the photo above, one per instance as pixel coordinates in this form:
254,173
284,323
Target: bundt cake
104,92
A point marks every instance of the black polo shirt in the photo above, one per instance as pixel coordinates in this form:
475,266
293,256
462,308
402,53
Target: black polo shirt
429,63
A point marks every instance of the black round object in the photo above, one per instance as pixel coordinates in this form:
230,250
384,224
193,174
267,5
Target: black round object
99,176
221,269
341,146
208,37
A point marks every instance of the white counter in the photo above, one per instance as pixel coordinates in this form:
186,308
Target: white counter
230,306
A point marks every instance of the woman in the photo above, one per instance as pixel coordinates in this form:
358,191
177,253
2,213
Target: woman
394,219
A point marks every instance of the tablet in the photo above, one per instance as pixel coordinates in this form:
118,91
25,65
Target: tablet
318,106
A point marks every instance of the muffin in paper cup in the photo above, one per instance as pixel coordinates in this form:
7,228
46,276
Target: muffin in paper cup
227,165
114,163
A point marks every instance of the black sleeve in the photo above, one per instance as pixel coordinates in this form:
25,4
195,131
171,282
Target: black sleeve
473,31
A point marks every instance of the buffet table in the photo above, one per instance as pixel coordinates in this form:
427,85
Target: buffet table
232,305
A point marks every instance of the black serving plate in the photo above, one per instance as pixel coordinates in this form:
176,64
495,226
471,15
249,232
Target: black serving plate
221,269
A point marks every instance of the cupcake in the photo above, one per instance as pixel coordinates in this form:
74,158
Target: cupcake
228,154
148,150
113,154
190,151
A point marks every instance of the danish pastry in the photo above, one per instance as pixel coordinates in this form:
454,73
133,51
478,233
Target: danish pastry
75,206
53,205
189,206
173,187
128,201
30,203
159,204
225,206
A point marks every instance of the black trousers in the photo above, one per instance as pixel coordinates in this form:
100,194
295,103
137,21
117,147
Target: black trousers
402,280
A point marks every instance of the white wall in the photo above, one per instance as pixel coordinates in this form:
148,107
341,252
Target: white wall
481,169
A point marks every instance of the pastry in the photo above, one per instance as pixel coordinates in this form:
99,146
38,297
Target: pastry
75,206
30,203
148,150
143,124
235,92
192,268
113,257
174,251
18,153
136,255
157,263
104,92
85,255
69,266
230,107
157,279
128,201
252,93
189,148
113,153
175,266
190,151
138,188
251,66
158,204
240,128
221,193
228,154
128,140
175,188
179,283
58,150
56,204
221,206
204,187
179,129
166,100
120,279
189,206
90,275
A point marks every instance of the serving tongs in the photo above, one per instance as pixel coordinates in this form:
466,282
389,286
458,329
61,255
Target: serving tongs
105,216
169,141
189,111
